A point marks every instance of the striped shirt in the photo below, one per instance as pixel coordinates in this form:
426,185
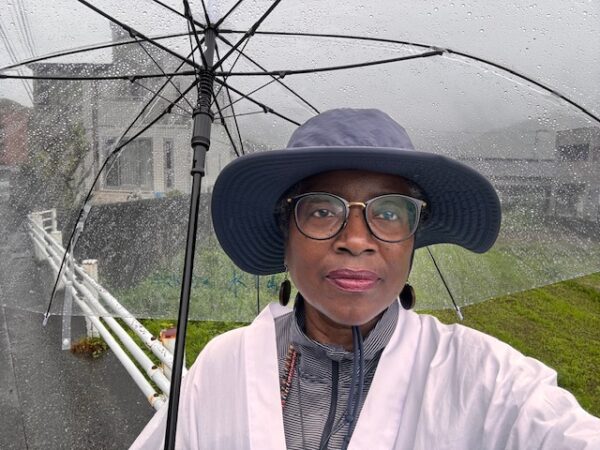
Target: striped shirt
314,385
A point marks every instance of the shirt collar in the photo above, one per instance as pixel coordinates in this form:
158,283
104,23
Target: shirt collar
373,343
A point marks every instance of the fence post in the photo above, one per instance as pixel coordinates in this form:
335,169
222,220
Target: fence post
68,301
90,266
57,236
36,218
167,337
53,221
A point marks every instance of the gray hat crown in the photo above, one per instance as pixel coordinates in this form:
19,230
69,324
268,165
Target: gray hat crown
347,127
463,207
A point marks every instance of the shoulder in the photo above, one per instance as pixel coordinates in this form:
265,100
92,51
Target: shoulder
231,343
474,346
515,397
481,366
224,350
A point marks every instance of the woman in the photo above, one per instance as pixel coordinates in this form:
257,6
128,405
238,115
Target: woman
342,210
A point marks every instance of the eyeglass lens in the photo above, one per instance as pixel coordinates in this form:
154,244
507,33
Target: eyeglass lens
390,217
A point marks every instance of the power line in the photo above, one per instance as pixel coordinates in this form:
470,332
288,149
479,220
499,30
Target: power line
27,28
13,57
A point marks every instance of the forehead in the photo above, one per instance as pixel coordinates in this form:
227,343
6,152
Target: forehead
356,185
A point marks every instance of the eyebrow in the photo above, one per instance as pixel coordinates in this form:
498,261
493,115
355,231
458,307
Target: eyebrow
377,194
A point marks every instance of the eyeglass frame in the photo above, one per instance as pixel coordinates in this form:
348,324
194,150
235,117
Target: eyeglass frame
420,205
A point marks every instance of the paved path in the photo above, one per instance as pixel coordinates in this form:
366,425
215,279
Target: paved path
49,398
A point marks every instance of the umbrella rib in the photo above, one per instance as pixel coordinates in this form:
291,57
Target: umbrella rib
279,81
444,50
98,77
456,307
528,79
164,5
264,107
222,19
282,33
237,127
158,95
87,49
251,92
169,79
227,129
134,32
180,14
108,159
205,12
283,73
247,34
331,35
225,77
253,113
192,25
167,110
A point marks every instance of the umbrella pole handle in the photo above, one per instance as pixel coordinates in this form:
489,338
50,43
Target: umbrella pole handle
184,300
203,119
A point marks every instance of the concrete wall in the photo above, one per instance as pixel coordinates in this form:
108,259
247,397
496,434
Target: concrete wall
133,239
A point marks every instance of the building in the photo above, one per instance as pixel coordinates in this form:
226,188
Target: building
14,120
553,172
157,162
577,180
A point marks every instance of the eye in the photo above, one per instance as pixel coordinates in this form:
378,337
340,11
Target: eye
322,213
387,215
388,212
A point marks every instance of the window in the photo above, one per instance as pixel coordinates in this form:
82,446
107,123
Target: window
111,176
2,144
568,196
169,169
133,167
574,152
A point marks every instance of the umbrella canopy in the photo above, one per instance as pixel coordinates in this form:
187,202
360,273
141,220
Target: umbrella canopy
97,105
96,77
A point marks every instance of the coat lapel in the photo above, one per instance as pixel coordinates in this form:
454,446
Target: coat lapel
265,418
381,415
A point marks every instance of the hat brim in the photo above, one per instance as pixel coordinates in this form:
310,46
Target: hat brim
463,207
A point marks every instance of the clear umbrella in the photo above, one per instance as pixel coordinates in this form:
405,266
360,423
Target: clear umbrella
101,98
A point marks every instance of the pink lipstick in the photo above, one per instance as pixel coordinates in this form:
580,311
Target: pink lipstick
353,280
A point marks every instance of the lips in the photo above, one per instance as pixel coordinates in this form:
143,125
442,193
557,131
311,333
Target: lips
353,280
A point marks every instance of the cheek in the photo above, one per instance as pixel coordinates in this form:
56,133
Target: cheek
399,261
302,259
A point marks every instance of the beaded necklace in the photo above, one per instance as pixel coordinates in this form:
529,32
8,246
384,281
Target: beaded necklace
288,373
290,367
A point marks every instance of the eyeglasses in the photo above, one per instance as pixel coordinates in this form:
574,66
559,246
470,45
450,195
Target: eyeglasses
390,217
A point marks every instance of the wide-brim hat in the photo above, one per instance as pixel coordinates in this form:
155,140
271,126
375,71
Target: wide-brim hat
462,205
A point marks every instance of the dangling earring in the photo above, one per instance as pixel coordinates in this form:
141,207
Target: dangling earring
408,297
285,289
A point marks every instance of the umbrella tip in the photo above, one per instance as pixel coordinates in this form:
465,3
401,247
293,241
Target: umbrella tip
459,313
45,321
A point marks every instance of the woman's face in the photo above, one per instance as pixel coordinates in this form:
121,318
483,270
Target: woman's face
353,277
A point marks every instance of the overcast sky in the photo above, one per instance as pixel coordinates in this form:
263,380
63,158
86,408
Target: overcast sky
553,41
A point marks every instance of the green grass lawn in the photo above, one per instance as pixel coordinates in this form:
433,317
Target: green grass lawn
558,324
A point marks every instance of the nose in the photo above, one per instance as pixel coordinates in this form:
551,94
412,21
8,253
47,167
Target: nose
355,238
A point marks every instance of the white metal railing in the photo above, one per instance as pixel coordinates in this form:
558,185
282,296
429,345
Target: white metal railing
100,308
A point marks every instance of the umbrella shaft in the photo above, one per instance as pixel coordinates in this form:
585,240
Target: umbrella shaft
200,143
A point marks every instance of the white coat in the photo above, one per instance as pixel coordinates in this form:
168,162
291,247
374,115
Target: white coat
436,387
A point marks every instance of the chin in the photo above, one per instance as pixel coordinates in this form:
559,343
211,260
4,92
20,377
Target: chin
352,317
